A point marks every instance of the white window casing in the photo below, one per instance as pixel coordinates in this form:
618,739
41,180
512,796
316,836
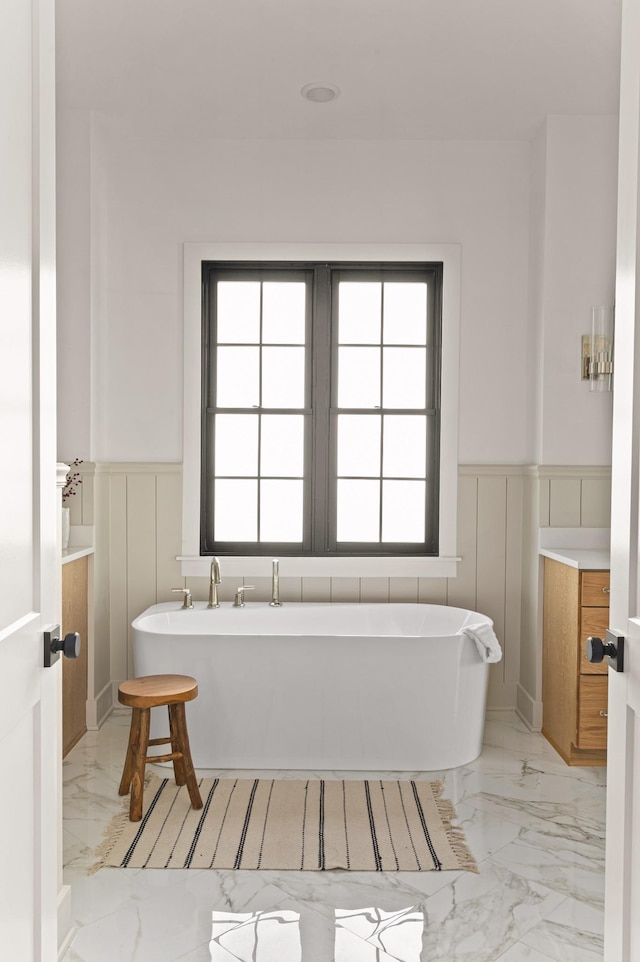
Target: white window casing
445,564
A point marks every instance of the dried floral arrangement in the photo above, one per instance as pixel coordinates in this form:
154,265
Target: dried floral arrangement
72,483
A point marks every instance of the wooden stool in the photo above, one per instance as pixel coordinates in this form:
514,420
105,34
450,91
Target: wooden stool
143,694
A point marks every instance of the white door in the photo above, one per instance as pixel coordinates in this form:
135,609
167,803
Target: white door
29,562
622,894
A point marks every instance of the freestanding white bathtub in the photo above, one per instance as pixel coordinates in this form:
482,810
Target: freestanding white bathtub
375,687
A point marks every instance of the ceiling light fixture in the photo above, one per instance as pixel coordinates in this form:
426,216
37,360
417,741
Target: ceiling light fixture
320,93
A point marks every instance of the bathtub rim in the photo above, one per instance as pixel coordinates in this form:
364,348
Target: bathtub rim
172,625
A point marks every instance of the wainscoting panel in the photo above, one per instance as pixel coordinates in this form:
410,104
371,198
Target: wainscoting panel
142,519
345,590
403,590
433,591
544,488
116,552
575,497
564,503
144,525
98,635
513,579
595,503
491,572
374,590
168,533
492,550
291,589
461,591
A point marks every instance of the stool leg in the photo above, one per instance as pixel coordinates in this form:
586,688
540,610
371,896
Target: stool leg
132,748
139,760
174,732
179,732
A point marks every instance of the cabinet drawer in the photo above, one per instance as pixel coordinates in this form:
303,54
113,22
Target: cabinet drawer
593,622
592,702
595,589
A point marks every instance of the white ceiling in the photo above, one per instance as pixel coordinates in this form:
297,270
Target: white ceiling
408,69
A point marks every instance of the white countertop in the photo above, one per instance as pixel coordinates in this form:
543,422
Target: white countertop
75,551
584,558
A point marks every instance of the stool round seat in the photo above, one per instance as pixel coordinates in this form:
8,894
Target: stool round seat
149,691
141,695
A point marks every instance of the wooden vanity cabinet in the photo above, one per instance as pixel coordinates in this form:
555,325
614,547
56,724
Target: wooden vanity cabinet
74,670
574,692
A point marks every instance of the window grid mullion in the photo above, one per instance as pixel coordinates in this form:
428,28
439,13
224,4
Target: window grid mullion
382,333
260,412
323,386
380,476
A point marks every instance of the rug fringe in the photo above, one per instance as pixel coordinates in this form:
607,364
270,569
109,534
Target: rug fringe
112,833
455,835
114,829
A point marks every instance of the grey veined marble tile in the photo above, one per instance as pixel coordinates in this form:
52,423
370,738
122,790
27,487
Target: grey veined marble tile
573,933
523,953
477,918
572,864
534,825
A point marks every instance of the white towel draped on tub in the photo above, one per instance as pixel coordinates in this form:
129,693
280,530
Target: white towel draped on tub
485,639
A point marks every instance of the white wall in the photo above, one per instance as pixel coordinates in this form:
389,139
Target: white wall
536,223
73,174
537,227
164,192
578,272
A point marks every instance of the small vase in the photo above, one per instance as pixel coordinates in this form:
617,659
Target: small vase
65,527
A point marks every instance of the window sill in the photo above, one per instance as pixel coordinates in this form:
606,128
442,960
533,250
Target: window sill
257,567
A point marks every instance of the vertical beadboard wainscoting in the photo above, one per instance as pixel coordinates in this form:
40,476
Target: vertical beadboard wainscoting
137,516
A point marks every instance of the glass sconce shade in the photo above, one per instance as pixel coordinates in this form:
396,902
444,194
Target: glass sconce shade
597,350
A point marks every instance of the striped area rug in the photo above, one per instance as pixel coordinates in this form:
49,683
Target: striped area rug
309,825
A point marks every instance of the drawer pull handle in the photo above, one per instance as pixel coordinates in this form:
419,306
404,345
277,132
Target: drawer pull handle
604,714
606,590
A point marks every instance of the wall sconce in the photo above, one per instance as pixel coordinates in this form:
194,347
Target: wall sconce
597,350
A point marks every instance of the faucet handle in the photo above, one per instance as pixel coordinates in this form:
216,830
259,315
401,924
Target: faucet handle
239,599
187,603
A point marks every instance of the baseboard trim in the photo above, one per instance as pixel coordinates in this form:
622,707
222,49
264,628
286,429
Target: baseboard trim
498,712
66,931
67,942
528,709
99,708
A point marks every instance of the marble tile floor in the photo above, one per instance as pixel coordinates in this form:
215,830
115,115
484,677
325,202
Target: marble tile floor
535,826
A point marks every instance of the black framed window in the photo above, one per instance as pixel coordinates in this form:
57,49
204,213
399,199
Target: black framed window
320,408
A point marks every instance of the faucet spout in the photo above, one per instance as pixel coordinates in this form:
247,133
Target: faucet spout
214,581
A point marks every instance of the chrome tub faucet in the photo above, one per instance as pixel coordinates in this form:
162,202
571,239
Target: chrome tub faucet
187,602
239,599
214,581
275,584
